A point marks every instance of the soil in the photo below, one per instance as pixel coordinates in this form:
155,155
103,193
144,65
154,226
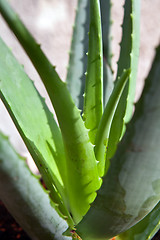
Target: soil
10,229
157,236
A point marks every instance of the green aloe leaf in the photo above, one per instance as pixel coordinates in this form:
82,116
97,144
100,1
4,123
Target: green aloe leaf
131,187
25,198
107,51
93,96
103,133
145,229
128,58
129,53
108,83
82,173
34,122
79,48
105,6
78,54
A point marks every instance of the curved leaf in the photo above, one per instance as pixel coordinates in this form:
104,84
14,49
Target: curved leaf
105,6
128,58
108,83
82,174
34,122
131,188
129,53
103,133
106,33
78,58
25,198
79,47
93,96
145,229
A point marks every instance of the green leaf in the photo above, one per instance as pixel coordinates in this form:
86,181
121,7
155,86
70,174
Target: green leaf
105,6
131,188
24,197
103,133
34,122
108,83
82,173
145,229
128,58
116,128
106,30
129,53
93,96
78,58
79,47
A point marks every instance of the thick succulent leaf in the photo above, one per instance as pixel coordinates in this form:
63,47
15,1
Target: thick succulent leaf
108,83
25,197
116,129
79,47
145,229
129,53
82,173
104,129
78,58
105,6
131,188
35,123
128,58
93,96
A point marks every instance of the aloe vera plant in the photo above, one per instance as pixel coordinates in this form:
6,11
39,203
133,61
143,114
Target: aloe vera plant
100,165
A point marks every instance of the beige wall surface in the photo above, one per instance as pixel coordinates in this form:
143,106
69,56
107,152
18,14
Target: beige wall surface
51,21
